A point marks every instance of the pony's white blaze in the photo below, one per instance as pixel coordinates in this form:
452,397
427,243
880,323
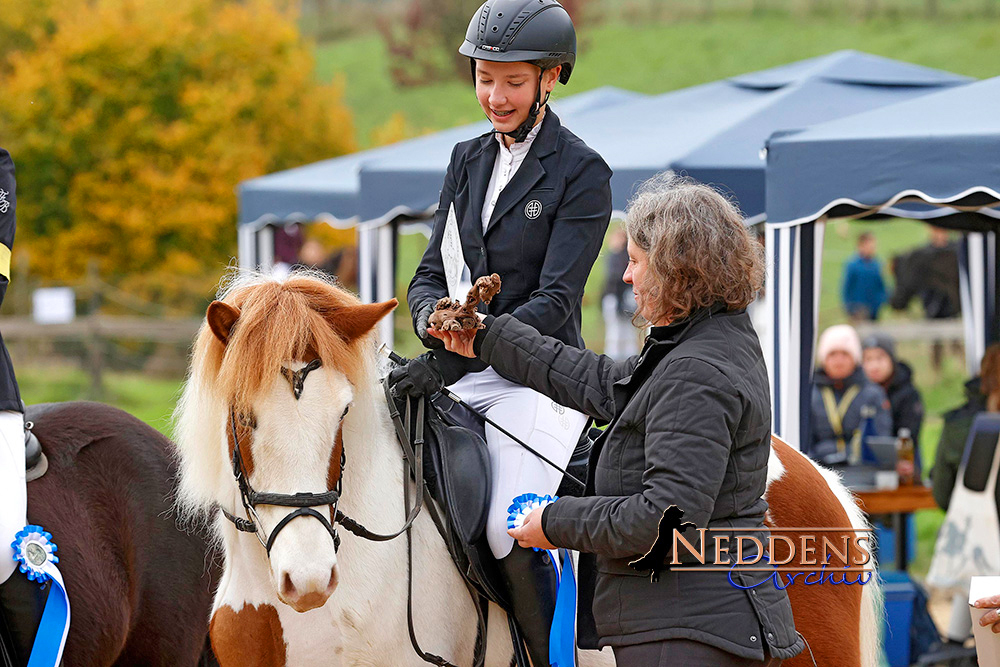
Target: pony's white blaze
292,447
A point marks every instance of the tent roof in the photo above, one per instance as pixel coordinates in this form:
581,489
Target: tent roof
940,149
329,188
713,132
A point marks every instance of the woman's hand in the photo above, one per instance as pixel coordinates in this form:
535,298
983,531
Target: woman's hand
459,342
530,533
992,617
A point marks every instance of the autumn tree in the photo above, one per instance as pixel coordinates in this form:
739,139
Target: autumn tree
132,123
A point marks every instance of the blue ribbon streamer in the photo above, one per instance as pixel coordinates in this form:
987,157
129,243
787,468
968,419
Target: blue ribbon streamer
562,635
47,649
51,634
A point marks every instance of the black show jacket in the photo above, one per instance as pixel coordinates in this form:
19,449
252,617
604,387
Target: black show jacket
543,261
10,398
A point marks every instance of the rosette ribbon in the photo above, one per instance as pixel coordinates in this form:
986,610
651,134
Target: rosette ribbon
35,553
562,634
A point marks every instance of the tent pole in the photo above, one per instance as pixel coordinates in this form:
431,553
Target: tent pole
385,285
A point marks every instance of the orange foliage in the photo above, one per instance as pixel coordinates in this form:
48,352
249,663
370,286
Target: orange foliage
133,122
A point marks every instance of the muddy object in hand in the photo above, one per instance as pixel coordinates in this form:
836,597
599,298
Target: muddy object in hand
452,315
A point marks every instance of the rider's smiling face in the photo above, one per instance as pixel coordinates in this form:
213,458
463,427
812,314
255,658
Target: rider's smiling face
506,91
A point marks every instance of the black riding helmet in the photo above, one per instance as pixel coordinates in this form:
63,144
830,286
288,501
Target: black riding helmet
539,32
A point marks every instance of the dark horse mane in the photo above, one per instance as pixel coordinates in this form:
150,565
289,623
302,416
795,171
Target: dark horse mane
140,589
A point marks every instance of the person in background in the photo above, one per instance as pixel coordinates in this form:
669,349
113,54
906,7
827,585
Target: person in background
840,391
617,302
982,395
896,378
863,290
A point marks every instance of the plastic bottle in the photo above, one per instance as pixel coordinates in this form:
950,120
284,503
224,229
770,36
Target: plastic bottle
905,454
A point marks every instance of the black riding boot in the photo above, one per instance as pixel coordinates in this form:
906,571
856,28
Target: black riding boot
532,581
21,605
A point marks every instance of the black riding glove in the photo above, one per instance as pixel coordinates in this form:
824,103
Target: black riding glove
420,326
419,377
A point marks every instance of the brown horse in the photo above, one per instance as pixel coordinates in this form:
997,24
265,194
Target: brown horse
140,589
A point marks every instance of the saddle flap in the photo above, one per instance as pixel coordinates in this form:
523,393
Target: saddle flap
465,478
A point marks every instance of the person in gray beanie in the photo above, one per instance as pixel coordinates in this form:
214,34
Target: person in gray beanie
896,378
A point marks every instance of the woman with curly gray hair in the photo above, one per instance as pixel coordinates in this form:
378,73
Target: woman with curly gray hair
689,427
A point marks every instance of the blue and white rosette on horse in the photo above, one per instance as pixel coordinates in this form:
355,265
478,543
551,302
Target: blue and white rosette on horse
562,635
35,553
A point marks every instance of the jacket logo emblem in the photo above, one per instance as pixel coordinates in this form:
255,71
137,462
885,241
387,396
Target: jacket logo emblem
4,204
533,209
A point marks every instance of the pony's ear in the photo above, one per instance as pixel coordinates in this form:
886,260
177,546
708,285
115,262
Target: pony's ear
353,322
221,319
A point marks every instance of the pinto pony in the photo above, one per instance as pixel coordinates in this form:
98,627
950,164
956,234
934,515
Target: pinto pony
282,399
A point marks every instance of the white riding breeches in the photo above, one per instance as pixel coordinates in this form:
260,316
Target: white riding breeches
13,493
549,428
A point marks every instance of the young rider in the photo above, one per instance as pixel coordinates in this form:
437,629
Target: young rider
531,202
20,600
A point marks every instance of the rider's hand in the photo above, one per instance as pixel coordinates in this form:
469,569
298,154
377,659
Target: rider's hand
419,377
992,617
421,327
459,342
530,534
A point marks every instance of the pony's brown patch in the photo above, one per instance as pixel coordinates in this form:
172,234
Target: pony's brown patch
827,615
250,637
335,470
280,321
246,422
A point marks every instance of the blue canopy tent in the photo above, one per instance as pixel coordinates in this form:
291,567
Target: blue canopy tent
713,132
935,157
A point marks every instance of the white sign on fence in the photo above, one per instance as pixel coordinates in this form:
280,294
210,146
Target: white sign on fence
53,305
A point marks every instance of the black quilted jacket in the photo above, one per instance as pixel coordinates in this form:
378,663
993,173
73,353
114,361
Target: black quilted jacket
10,398
689,426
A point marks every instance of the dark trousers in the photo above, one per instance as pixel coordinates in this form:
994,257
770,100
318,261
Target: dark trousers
682,653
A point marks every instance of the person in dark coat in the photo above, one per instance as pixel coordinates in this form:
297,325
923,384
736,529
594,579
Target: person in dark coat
21,600
840,392
896,379
531,202
689,426
982,394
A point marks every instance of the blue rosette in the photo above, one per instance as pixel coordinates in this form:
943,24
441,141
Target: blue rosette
33,549
524,505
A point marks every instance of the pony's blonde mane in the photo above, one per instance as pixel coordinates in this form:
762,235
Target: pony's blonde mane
280,320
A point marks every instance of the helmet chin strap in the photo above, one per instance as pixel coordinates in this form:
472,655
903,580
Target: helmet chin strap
522,131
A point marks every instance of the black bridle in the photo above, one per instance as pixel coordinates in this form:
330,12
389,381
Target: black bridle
306,502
